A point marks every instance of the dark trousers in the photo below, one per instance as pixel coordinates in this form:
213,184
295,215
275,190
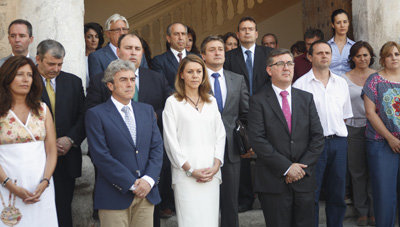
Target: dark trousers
64,190
331,170
384,172
166,193
229,191
246,193
288,209
358,169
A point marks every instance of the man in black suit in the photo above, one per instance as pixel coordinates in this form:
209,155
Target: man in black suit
152,87
230,91
248,60
168,62
287,136
63,93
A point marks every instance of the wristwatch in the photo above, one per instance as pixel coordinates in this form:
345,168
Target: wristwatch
189,172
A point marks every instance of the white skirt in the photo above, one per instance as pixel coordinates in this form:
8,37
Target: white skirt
197,204
25,162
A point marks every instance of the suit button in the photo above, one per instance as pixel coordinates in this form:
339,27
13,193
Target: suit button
292,142
137,152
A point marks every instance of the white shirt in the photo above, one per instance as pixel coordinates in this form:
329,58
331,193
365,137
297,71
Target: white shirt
222,83
137,79
52,83
278,91
113,48
175,52
252,49
119,107
332,102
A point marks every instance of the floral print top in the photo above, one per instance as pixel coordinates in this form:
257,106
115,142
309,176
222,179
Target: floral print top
12,130
386,96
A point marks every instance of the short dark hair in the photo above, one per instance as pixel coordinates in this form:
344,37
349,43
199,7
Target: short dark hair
299,46
311,50
229,34
132,34
98,29
170,25
354,50
269,34
209,39
277,52
8,72
247,18
313,32
337,12
21,21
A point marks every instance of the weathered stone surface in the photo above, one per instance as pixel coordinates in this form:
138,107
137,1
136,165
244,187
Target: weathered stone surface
376,21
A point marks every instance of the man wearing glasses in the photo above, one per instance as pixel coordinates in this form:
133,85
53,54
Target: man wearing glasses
286,134
115,26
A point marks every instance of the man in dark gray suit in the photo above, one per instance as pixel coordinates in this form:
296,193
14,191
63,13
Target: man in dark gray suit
19,37
232,97
286,134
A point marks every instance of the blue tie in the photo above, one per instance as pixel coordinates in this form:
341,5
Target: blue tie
249,66
217,91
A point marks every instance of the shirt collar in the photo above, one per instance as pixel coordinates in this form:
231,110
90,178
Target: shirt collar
120,105
278,91
28,56
220,72
137,72
113,48
348,41
52,81
175,52
312,76
252,49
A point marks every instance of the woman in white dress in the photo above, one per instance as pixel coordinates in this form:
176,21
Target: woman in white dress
28,153
194,139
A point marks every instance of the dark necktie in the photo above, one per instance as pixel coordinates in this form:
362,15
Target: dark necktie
136,95
249,66
180,56
286,109
217,91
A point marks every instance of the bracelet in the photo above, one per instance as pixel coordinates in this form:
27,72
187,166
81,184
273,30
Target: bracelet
45,179
5,182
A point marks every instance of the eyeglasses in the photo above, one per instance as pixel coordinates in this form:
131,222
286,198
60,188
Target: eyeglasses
117,30
282,64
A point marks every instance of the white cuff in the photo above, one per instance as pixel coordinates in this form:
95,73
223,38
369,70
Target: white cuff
287,171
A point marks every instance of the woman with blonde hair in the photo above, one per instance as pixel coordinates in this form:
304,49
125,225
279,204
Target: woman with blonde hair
194,139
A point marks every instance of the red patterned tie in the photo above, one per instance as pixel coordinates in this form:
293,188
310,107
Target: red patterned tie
286,109
180,56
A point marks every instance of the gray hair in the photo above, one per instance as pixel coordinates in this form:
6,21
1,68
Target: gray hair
117,66
170,25
54,48
277,52
115,17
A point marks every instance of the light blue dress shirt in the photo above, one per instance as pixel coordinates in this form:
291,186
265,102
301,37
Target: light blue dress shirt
340,64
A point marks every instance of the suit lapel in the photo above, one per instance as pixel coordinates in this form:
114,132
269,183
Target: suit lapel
143,83
116,117
171,58
295,104
273,102
229,89
240,59
139,124
110,53
258,60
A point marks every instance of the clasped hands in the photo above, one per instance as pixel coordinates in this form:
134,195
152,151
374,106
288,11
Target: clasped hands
142,188
204,175
28,197
63,145
295,173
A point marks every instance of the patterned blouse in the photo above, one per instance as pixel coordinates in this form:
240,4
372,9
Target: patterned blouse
386,96
12,130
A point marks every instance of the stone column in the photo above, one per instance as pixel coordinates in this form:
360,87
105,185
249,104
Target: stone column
376,21
61,20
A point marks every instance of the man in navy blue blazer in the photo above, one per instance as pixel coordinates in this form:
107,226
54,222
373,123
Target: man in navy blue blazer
127,150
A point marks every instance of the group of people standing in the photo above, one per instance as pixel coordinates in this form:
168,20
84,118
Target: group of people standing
169,122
